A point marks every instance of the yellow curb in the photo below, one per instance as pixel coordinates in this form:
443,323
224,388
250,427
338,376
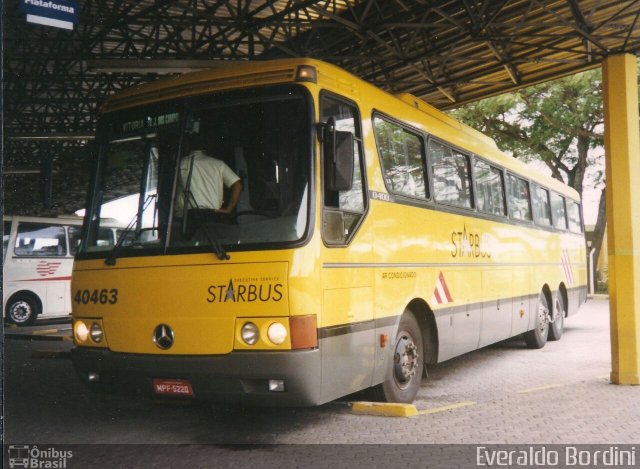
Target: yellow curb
541,388
384,409
445,408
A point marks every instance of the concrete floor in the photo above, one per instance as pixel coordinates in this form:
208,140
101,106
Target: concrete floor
503,394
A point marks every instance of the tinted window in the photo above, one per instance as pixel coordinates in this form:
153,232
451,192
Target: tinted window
489,188
451,175
38,240
401,153
519,199
558,211
573,215
541,206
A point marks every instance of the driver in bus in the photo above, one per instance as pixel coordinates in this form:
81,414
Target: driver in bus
201,184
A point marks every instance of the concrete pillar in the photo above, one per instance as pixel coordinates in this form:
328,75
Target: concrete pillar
622,145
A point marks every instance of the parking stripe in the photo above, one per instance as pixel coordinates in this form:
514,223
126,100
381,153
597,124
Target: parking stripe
540,388
445,408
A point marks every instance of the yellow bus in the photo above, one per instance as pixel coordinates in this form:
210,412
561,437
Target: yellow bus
374,235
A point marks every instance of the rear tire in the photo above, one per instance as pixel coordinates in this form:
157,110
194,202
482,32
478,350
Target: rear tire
557,326
537,337
22,311
405,376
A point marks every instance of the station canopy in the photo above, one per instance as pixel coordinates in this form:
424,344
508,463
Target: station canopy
447,52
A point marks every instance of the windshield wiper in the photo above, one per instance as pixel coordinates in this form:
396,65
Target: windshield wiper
218,250
111,258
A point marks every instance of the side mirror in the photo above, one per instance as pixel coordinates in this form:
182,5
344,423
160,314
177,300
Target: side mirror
338,157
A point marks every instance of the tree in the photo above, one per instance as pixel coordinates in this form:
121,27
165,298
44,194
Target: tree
558,123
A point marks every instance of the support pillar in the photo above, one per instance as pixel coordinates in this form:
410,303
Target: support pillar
622,145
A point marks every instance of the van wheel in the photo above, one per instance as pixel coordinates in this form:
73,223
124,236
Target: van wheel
556,327
405,376
537,337
22,311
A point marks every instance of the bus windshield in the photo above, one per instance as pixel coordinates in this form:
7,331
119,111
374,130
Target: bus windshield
149,180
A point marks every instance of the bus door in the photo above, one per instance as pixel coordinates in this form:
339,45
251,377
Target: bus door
347,327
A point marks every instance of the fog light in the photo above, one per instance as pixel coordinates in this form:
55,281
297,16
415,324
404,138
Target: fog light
277,333
93,377
276,385
96,333
250,333
80,331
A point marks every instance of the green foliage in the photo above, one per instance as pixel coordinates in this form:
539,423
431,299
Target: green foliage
602,287
555,122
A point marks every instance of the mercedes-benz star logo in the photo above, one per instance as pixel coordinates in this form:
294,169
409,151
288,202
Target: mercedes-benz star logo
163,336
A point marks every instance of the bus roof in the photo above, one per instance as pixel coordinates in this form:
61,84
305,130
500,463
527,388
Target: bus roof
233,75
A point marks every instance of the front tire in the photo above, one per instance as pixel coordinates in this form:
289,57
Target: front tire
405,376
22,311
537,337
557,326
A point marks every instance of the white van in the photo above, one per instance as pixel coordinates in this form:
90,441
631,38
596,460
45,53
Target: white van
37,263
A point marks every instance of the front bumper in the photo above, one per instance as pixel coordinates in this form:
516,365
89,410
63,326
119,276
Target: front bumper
238,376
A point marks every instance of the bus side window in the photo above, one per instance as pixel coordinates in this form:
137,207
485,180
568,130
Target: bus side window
451,175
402,157
34,239
558,211
489,188
573,212
105,238
541,206
519,199
343,210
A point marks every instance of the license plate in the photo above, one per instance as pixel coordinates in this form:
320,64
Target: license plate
172,387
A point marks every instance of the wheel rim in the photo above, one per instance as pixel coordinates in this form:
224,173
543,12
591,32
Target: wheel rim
405,360
543,318
20,311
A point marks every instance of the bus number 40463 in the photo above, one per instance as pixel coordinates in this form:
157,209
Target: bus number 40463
96,296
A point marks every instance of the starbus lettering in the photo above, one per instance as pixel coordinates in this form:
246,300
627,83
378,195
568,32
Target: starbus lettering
244,292
467,244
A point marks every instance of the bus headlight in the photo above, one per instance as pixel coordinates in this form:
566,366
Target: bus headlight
277,333
96,333
250,333
80,331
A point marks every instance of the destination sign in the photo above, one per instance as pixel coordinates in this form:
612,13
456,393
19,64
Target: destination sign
57,13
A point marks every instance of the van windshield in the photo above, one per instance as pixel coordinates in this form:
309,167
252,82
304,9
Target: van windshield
231,169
